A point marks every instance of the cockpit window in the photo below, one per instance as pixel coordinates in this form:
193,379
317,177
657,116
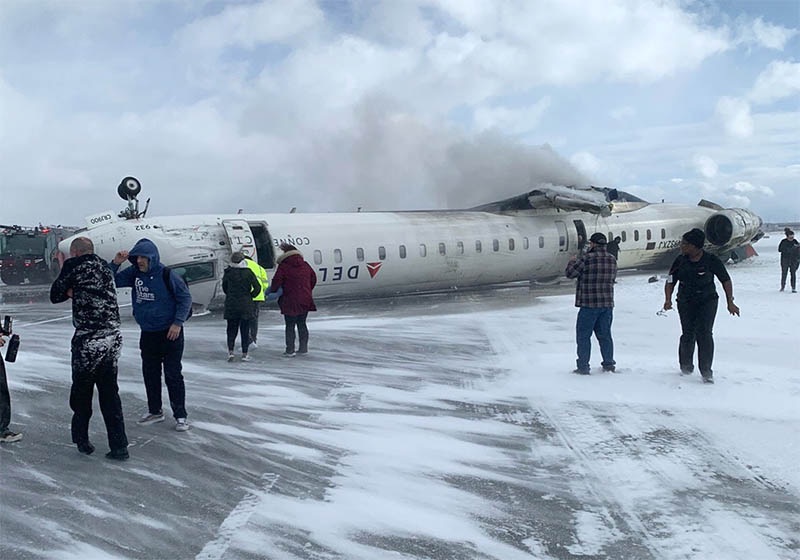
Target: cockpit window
195,272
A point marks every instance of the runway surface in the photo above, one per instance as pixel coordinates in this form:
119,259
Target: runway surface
440,427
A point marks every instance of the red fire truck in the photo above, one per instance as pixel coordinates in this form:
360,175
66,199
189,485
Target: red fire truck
29,255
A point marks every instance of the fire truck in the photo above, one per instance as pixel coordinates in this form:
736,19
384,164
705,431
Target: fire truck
29,255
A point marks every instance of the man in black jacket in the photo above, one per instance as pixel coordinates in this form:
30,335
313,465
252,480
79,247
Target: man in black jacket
96,345
789,249
695,270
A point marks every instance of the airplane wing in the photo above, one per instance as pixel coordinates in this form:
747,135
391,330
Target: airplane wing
594,201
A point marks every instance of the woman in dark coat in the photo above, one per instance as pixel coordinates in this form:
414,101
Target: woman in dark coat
297,279
789,249
240,286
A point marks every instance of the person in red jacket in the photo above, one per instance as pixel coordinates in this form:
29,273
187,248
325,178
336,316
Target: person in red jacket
297,279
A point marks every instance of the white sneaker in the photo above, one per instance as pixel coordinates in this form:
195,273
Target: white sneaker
181,425
253,344
246,358
231,357
288,354
150,419
10,437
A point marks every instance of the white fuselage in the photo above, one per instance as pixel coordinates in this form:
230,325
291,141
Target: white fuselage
385,253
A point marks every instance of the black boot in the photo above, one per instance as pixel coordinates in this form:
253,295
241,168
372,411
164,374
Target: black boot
85,447
118,454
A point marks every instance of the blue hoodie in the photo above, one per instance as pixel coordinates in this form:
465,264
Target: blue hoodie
155,308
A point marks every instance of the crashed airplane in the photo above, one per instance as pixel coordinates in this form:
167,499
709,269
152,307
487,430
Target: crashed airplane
529,237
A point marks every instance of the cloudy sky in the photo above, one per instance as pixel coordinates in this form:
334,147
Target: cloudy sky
331,105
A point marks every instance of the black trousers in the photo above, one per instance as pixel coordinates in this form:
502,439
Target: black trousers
94,363
298,321
157,351
242,326
5,399
787,267
254,324
697,324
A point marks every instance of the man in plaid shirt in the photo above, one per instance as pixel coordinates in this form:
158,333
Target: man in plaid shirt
595,271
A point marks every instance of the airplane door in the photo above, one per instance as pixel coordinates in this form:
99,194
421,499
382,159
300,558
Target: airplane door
240,236
581,229
563,237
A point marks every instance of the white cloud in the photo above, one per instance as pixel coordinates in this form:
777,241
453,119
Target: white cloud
250,25
623,113
779,80
735,116
745,187
761,33
705,166
512,121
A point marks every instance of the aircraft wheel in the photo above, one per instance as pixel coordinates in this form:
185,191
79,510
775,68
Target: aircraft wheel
129,188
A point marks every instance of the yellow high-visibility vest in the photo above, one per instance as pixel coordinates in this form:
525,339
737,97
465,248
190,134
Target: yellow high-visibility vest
261,274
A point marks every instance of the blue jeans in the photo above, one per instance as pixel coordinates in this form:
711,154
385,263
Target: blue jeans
595,320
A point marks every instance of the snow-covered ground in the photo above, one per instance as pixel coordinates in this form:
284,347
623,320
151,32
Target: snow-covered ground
446,427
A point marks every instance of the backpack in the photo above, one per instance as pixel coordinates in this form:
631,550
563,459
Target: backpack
168,284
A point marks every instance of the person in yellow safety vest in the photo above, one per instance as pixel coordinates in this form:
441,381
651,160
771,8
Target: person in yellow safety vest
263,279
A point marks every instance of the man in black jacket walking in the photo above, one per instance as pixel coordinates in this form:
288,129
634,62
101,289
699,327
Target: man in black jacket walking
695,270
96,345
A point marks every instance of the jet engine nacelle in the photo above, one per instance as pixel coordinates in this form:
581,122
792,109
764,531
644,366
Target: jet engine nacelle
733,227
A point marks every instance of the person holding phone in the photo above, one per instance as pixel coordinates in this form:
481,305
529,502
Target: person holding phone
6,435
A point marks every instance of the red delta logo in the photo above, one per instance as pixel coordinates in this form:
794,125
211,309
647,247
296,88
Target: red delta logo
373,268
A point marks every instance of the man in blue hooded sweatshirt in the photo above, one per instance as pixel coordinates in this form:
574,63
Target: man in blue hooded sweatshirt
161,304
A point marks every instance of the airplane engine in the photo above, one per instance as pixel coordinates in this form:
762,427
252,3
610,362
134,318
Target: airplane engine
733,227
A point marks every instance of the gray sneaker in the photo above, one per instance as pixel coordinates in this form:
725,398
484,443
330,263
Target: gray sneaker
181,425
150,419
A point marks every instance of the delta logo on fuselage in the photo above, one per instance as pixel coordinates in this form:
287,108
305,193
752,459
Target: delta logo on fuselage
335,273
340,273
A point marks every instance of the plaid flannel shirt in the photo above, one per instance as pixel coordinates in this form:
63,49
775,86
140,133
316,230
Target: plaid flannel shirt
596,272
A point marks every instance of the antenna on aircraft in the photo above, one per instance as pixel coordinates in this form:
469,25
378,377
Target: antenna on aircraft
128,190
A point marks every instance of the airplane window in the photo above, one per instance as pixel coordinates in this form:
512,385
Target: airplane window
525,244
360,254
636,235
663,233
624,236
195,272
541,242
423,250
460,247
510,244
382,253
337,255
478,247
442,249
495,245
317,257
402,251
649,235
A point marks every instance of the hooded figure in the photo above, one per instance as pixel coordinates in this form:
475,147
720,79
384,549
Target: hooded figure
240,286
156,306
297,279
161,304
